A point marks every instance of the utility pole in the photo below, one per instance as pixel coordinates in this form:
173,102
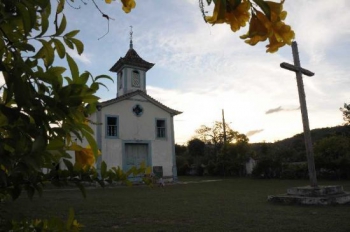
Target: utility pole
224,145
224,125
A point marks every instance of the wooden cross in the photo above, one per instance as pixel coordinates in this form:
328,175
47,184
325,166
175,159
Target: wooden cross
307,135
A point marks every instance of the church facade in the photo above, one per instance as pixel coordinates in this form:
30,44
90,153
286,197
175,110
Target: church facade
134,127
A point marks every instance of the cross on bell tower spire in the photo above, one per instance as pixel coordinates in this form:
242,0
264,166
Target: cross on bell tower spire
131,32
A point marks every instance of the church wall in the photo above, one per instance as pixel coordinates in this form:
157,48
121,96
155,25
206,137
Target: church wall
138,129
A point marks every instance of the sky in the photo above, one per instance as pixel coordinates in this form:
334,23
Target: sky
201,69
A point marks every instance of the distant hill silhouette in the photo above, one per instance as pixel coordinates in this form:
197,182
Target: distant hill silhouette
297,143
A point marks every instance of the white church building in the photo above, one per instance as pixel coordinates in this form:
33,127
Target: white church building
134,127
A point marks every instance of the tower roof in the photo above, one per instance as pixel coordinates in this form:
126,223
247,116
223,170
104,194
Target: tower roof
131,58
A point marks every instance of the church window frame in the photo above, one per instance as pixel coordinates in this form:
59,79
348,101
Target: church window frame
112,126
137,110
161,128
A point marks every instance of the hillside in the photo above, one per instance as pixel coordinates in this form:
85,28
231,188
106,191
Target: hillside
296,144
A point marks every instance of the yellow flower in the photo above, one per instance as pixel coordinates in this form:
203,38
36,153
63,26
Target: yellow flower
85,157
239,16
274,45
128,5
108,1
218,13
235,15
257,31
280,33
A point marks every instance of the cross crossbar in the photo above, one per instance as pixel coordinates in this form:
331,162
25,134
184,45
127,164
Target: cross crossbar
293,68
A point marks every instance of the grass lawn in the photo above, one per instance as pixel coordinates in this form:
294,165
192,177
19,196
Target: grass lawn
226,205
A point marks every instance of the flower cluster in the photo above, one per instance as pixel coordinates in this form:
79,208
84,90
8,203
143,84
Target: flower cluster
228,11
85,157
127,4
273,28
264,24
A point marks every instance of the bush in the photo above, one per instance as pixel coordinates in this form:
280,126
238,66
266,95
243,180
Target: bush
182,165
294,171
267,168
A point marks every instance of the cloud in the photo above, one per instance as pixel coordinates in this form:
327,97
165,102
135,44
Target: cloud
84,58
275,110
278,109
253,132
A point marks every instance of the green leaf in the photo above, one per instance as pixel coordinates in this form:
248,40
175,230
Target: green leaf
69,165
73,67
24,46
2,45
60,49
78,44
103,85
70,219
68,42
40,53
92,142
60,6
3,120
48,53
82,188
55,144
72,33
90,99
94,86
44,20
104,77
103,170
26,18
57,70
264,7
38,144
62,26
83,78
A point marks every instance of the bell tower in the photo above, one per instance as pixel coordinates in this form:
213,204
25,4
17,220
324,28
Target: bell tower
131,71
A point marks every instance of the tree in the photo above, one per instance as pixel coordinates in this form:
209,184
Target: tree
196,147
215,134
42,106
180,150
346,113
224,156
332,154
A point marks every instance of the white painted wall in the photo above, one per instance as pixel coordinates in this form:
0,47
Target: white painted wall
137,129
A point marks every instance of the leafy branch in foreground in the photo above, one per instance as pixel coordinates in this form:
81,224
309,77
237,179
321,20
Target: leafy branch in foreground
40,108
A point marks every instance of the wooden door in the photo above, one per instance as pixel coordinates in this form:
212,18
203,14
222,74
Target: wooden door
136,153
